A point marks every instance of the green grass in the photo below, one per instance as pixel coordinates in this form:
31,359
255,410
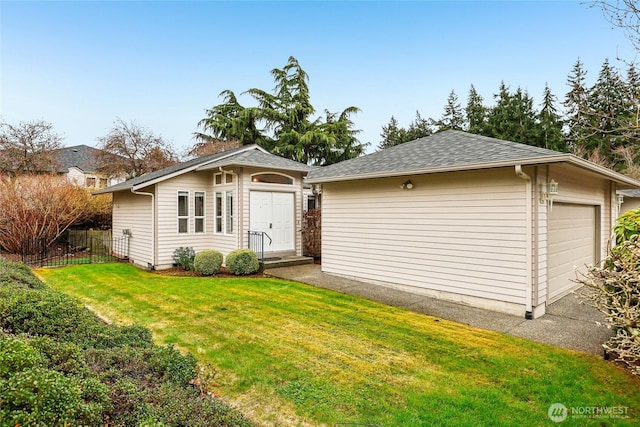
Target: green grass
288,354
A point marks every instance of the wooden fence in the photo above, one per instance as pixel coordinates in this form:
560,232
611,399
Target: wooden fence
312,233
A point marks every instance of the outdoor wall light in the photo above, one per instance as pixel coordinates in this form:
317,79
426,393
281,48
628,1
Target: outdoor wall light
548,192
620,200
407,185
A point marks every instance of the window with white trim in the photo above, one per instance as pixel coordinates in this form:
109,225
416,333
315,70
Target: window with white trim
223,207
198,211
223,178
183,212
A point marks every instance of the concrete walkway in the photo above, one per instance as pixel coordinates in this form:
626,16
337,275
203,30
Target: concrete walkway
567,323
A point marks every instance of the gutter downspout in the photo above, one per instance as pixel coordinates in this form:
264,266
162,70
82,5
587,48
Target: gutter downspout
152,265
529,242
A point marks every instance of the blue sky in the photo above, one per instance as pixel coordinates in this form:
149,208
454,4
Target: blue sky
80,65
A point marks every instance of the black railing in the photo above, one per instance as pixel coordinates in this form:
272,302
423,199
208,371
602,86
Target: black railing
75,247
256,242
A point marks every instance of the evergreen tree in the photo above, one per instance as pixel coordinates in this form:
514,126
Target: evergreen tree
608,110
453,117
476,113
230,121
392,134
577,107
286,114
513,118
498,117
550,124
419,128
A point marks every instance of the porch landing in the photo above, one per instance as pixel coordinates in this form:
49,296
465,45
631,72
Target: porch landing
286,261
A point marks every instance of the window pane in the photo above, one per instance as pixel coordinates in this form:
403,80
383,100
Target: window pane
229,212
218,179
228,178
218,210
199,203
183,224
183,203
199,225
272,178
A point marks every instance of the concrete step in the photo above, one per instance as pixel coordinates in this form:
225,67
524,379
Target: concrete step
287,261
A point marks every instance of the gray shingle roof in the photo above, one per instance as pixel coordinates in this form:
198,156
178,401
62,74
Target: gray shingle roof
438,152
259,158
248,155
79,156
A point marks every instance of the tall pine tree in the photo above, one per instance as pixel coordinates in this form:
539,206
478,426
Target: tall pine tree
453,117
550,124
476,113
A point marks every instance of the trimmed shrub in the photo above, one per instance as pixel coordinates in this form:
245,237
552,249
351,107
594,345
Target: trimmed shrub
627,225
184,257
208,262
242,261
61,365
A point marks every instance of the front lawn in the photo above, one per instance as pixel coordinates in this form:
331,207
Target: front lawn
288,354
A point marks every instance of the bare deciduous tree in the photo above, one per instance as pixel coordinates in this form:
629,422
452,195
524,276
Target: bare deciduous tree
142,150
38,206
212,146
27,147
624,14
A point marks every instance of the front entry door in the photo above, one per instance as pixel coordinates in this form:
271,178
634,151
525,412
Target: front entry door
273,214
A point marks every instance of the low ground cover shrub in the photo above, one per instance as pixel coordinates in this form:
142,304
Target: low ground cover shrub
242,262
208,262
61,365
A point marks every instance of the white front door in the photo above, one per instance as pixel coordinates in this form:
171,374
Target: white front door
273,214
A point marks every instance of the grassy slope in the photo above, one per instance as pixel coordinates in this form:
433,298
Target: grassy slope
286,351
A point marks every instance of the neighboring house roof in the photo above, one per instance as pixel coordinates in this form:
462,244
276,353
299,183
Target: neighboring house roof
629,193
248,155
82,157
450,151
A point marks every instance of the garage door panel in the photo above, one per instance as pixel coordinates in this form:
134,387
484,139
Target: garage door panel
571,243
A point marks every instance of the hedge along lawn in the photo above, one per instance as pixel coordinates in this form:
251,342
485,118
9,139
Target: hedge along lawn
288,353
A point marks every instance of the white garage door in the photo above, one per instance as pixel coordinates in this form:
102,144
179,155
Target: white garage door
571,242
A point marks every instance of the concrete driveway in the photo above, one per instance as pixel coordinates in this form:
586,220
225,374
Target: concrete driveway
567,323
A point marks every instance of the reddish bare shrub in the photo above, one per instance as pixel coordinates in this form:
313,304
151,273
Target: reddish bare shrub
614,289
37,206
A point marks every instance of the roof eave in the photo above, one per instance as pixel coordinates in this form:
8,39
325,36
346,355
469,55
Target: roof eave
454,168
191,168
216,165
612,175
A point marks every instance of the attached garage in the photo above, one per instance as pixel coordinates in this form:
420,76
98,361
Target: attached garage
469,219
572,244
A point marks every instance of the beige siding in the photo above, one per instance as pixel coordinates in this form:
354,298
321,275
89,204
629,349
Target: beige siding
630,203
134,212
459,233
168,237
540,218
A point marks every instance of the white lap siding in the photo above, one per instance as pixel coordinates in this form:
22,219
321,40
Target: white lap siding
167,200
134,212
460,233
